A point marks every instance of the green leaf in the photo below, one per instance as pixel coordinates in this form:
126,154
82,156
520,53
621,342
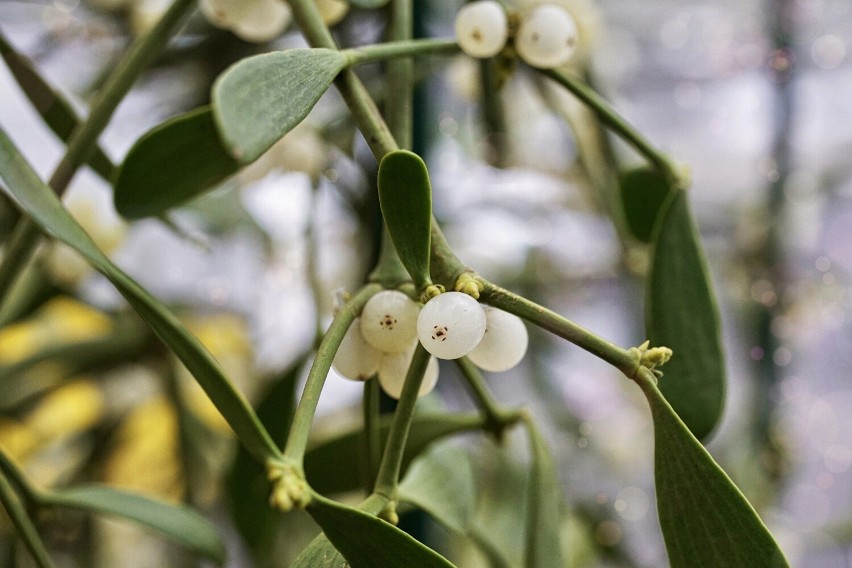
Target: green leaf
261,98
442,483
323,463
179,523
681,313
543,549
45,209
368,4
320,553
56,112
643,192
405,195
172,163
706,521
369,542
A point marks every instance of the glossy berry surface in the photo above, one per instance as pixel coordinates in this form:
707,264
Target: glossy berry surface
504,343
356,359
482,28
547,37
451,325
389,321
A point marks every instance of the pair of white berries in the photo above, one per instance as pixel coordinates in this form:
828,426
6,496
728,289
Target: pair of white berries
546,37
449,326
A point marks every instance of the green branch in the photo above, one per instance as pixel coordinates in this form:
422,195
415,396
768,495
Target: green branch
610,117
83,142
24,525
399,49
297,441
496,416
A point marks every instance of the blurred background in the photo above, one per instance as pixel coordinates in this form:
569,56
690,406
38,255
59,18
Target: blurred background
752,96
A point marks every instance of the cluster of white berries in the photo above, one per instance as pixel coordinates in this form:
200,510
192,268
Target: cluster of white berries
451,325
546,36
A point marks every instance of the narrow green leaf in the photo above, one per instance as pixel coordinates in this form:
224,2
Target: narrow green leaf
179,523
369,542
261,98
320,553
56,112
706,521
44,208
681,313
405,195
172,163
543,549
643,192
324,462
442,483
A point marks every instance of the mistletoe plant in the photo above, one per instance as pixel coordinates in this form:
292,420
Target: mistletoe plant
419,303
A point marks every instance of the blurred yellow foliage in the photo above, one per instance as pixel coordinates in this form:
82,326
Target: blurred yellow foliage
145,456
60,320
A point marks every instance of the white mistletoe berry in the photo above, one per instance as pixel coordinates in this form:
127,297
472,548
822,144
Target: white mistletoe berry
389,321
547,37
451,325
356,359
394,368
482,28
504,343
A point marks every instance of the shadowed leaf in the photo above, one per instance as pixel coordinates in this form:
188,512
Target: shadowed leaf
172,163
643,192
681,314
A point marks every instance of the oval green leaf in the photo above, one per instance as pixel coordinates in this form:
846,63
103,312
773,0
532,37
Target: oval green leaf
57,113
172,163
405,196
369,542
544,496
44,208
260,99
180,524
323,463
643,192
705,519
681,313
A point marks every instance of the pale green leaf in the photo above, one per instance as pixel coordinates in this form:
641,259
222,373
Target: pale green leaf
681,314
172,163
369,542
179,523
442,483
405,196
44,208
706,520
260,99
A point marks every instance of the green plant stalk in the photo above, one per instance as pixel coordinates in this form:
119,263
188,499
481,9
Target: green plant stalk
297,440
493,112
400,76
368,118
397,49
387,478
371,435
83,142
546,319
24,525
617,124
19,481
496,417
